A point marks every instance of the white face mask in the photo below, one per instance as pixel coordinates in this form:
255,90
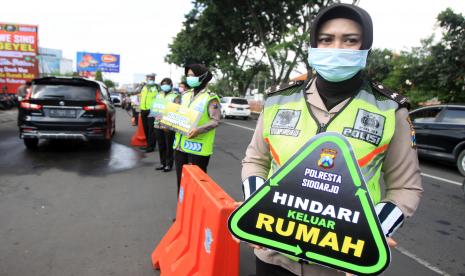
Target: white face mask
336,65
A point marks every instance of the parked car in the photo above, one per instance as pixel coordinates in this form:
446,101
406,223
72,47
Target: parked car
116,98
235,107
66,108
440,133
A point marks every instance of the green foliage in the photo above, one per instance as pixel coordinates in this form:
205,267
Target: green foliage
98,76
433,70
242,38
109,83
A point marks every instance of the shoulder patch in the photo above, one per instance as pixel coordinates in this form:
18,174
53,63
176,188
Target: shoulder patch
283,86
393,95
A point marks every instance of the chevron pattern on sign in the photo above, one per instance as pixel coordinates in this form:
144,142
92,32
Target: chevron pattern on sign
193,146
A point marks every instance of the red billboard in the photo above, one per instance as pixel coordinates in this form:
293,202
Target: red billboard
18,55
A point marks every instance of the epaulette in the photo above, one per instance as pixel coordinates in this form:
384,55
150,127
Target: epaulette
393,95
283,86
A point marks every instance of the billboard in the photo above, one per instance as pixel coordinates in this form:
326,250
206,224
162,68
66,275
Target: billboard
91,62
18,55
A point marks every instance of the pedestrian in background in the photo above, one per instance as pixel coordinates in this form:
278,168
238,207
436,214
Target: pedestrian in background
147,95
183,87
135,108
164,136
197,146
341,37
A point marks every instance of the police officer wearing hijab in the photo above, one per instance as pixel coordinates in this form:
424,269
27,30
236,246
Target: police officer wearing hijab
197,147
341,38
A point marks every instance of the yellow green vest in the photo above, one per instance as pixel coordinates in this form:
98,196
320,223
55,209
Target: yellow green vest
146,97
203,143
171,97
367,121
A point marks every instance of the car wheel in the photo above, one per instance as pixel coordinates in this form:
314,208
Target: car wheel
31,143
245,118
461,162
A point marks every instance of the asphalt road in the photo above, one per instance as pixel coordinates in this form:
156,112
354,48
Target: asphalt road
71,208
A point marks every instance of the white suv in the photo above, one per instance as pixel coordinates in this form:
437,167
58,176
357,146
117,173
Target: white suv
236,107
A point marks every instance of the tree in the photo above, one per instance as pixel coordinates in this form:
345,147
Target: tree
242,38
109,83
379,64
435,69
449,58
98,76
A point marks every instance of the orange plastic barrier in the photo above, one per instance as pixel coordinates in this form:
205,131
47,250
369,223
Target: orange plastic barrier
199,242
138,139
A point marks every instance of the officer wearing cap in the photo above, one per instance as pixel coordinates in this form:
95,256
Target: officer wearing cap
338,99
147,95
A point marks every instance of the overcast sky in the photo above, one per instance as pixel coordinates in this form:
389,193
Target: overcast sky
140,31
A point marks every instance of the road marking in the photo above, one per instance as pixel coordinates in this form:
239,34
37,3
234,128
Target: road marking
420,261
231,124
442,179
400,249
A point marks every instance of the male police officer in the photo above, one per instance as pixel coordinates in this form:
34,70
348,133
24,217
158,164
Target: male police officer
147,95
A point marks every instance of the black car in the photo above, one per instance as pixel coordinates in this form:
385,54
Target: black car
66,108
440,133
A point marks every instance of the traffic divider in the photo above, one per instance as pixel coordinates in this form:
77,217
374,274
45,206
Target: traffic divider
199,242
138,139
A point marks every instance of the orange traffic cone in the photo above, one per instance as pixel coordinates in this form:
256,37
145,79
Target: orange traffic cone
138,139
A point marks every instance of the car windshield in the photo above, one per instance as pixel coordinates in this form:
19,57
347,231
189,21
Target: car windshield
239,101
65,92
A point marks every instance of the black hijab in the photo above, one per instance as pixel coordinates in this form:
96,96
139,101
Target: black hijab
333,93
202,72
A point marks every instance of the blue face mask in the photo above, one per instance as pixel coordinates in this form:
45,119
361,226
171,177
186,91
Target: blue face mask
193,81
336,65
166,87
150,82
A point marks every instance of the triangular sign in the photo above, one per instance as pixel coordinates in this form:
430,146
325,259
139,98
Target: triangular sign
316,207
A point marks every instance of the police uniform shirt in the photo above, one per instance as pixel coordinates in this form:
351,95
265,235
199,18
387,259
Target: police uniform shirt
401,173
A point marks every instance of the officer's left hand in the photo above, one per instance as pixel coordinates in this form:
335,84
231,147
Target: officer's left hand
391,242
193,133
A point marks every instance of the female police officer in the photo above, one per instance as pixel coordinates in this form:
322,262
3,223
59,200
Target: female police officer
338,99
197,146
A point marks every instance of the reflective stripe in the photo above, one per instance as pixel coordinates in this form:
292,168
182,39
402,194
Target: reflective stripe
252,184
370,170
284,99
367,158
381,105
390,217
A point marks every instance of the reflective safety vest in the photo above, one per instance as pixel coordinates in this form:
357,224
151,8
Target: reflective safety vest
171,97
146,97
203,143
367,121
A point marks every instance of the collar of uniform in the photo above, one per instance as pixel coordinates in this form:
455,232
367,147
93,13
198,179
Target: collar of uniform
314,98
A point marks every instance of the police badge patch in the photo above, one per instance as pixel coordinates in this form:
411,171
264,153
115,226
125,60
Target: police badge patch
327,157
368,127
285,122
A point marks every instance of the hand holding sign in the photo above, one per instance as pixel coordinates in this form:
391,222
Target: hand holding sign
180,118
316,207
